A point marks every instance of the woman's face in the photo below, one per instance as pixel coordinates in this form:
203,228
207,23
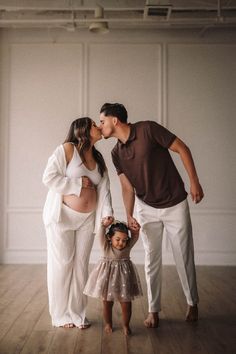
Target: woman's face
95,132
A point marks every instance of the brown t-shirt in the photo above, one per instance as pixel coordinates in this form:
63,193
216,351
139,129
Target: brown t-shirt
146,162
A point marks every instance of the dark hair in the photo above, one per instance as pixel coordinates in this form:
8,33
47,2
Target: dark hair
117,226
79,134
115,110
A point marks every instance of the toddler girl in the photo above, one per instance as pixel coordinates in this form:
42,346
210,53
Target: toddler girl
115,277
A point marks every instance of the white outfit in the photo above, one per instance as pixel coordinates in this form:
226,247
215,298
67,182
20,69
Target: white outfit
177,224
55,179
76,169
70,237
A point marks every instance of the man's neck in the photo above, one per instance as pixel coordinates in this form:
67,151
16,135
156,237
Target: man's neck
122,133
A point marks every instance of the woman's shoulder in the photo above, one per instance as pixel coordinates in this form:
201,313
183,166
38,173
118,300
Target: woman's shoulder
69,151
68,146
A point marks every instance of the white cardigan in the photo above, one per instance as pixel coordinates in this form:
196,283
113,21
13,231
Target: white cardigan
54,177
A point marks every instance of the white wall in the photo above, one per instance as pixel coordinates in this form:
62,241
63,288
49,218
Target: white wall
178,79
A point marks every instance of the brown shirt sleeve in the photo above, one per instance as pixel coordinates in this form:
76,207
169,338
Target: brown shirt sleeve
160,134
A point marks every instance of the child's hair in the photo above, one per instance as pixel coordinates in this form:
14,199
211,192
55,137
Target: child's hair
117,226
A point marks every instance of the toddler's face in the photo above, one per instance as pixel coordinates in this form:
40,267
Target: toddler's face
119,240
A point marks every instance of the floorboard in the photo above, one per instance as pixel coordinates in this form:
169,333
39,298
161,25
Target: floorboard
25,324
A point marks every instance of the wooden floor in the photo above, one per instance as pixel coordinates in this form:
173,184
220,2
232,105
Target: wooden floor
25,325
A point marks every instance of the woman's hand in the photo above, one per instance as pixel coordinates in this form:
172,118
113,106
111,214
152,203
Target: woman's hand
107,221
87,183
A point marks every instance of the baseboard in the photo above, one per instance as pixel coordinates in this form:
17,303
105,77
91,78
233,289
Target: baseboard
40,257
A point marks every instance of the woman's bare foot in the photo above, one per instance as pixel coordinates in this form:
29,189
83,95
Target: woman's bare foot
192,313
108,328
68,325
152,320
84,326
127,330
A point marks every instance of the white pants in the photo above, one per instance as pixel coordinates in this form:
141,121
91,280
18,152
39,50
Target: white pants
177,224
69,244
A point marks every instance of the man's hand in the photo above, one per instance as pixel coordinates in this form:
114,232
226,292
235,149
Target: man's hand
107,221
87,183
133,225
196,192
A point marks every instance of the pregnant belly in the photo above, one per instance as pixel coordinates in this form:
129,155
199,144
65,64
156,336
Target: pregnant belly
84,203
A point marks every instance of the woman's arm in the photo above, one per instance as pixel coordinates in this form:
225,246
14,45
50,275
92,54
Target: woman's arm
104,195
54,178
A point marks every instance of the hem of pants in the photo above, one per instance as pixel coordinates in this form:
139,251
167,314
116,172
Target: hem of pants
154,310
192,303
63,323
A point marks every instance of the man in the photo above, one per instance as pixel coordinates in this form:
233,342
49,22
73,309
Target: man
145,168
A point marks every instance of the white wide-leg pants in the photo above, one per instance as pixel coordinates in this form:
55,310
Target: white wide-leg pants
177,224
69,244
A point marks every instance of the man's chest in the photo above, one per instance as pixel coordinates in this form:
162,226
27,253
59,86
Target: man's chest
137,153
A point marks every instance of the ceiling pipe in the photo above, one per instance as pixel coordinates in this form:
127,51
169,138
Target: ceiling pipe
112,20
97,26
220,18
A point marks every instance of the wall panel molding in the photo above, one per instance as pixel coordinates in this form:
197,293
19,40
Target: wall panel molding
120,210
16,252
40,257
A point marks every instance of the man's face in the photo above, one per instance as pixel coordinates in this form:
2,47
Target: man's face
107,125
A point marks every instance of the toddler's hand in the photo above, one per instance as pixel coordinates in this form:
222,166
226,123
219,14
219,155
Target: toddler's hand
107,221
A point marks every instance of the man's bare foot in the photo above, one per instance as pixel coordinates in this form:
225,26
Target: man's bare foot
108,328
68,325
127,330
192,313
152,320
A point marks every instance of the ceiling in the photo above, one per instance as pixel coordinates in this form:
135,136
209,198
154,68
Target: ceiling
73,15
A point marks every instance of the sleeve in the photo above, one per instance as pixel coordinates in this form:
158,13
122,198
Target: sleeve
107,209
54,179
101,236
133,240
160,134
116,162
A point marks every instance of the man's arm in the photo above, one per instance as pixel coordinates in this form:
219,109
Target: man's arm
128,199
186,157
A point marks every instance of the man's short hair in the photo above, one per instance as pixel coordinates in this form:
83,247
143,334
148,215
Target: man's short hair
115,110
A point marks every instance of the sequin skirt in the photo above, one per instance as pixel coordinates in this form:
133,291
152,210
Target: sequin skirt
114,280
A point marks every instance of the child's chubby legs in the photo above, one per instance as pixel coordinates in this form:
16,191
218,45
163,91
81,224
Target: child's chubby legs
126,308
107,315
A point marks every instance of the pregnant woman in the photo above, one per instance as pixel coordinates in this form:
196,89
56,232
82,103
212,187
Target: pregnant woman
78,197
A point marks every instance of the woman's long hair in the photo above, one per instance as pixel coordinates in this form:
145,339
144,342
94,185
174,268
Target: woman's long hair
79,134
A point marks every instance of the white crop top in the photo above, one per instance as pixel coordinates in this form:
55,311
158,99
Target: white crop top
76,169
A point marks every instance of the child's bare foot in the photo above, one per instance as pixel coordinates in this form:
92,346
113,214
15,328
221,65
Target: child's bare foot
152,320
127,330
108,328
192,313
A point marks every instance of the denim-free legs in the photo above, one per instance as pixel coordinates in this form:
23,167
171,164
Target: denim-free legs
177,224
69,244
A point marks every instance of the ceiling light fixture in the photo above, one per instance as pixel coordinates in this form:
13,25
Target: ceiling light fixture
97,26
